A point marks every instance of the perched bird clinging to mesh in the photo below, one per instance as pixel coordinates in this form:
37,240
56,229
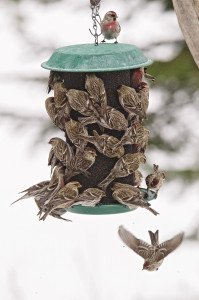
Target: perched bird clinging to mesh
110,27
155,180
153,253
130,196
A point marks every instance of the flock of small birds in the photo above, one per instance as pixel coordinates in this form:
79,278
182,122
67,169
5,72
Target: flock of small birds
72,157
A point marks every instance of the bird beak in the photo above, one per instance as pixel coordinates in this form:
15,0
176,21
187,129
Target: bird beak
150,77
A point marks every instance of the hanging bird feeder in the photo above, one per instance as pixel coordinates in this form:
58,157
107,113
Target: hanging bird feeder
100,103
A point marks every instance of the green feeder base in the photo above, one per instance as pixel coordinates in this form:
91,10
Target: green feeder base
107,209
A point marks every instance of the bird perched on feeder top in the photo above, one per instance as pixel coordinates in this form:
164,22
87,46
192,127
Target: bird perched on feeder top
110,27
153,253
155,180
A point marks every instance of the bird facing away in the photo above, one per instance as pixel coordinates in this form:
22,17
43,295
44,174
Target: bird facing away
110,27
155,180
153,253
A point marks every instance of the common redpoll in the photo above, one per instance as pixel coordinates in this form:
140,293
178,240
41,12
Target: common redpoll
34,190
63,199
90,197
60,94
155,180
125,166
110,27
81,162
137,135
130,196
51,109
105,144
137,178
153,253
62,150
112,119
81,102
95,87
131,102
75,130
53,78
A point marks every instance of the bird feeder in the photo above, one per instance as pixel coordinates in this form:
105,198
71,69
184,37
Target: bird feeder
114,64
100,103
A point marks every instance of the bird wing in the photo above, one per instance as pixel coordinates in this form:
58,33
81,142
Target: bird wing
169,246
137,245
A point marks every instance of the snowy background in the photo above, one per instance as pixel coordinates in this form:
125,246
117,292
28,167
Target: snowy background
83,259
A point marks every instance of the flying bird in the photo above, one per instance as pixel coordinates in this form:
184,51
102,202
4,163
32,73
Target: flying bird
153,253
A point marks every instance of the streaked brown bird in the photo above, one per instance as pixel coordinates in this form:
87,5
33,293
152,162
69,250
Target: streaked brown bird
125,166
131,197
61,150
131,102
153,253
34,190
51,109
96,89
62,200
81,102
75,130
90,197
155,180
137,178
136,135
112,119
81,162
105,144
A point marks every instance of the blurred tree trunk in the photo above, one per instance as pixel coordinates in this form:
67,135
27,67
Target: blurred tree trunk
187,12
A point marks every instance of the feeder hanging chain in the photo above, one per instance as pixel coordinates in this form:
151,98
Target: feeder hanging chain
95,5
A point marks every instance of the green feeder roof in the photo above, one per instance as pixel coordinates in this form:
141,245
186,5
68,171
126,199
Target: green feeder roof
91,58
107,209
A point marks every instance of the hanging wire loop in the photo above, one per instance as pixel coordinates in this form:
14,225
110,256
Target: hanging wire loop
95,5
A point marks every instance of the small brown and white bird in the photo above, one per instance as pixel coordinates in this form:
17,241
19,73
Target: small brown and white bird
131,102
110,27
136,135
153,253
155,180
90,197
81,162
130,196
75,130
62,200
81,102
96,89
137,178
105,144
62,150
112,119
125,166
